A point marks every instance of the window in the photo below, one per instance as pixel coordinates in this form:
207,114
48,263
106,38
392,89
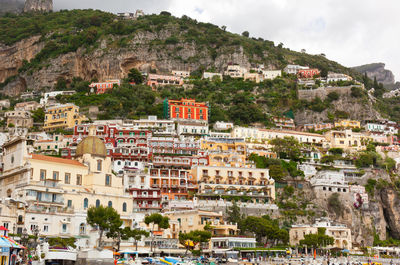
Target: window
45,228
85,203
108,180
55,175
69,203
124,207
78,179
110,204
99,165
97,203
42,174
64,228
67,178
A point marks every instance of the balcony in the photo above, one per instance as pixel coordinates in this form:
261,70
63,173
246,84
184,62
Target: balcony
147,197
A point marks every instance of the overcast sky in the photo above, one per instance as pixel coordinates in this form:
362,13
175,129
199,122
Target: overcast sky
352,32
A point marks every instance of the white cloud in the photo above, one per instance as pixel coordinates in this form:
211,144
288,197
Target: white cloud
350,32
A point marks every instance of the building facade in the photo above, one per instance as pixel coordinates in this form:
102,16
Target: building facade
62,116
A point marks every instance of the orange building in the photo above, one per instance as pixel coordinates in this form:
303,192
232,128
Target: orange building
103,87
186,109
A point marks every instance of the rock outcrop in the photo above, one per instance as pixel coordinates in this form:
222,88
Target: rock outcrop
378,71
38,5
12,6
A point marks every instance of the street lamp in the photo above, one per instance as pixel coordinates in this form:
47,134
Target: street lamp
24,237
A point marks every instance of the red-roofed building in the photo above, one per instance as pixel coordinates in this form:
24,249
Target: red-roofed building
103,87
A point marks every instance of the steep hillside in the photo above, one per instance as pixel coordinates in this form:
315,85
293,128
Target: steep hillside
38,49
14,6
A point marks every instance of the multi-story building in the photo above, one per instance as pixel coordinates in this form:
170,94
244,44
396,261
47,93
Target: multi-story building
19,118
225,151
293,69
186,109
386,128
308,73
4,104
103,87
284,123
334,77
223,126
153,124
340,233
256,134
348,124
192,128
125,144
317,126
210,76
57,192
182,74
347,139
172,161
27,106
154,80
235,71
62,116
327,182
234,181
186,221
54,145
271,74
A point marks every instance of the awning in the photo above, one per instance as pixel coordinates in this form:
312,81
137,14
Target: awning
4,243
12,242
128,251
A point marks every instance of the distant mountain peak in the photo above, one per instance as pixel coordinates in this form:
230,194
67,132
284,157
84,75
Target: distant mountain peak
378,71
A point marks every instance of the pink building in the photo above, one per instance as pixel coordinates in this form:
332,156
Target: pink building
154,80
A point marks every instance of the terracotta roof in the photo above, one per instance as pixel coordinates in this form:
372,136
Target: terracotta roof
57,160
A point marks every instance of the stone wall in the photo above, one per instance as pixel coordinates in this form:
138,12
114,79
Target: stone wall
322,92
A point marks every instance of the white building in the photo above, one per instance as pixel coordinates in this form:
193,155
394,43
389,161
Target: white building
235,71
52,95
271,74
222,126
183,74
209,75
328,182
192,128
152,123
256,134
334,77
293,68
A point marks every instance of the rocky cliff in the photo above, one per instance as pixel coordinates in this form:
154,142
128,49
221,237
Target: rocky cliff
378,71
38,5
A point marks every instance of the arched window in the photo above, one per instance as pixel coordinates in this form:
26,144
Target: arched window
99,165
85,203
109,203
124,207
82,229
97,203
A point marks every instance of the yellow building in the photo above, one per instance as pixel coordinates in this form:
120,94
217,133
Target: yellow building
347,140
62,117
348,124
340,233
186,221
234,181
225,151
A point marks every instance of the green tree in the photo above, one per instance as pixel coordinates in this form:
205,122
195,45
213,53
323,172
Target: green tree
137,235
118,234
287,147
234,215
193,238
104,218
245,34
156,219
136,76
317,240
38,115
